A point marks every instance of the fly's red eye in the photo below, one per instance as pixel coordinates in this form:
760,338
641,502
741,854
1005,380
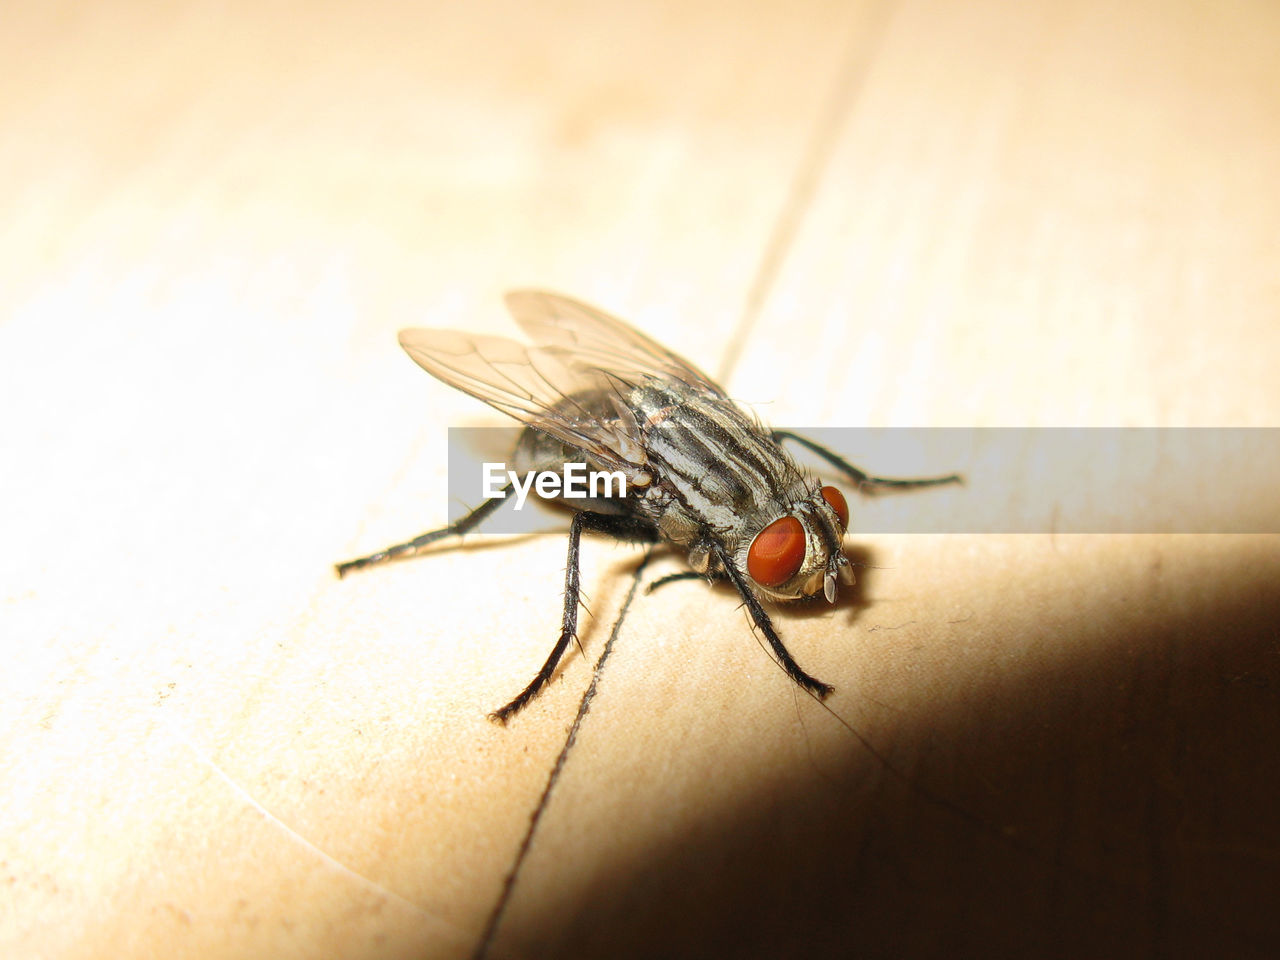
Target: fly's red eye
777,552
836,501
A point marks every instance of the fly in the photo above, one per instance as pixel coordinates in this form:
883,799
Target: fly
701,473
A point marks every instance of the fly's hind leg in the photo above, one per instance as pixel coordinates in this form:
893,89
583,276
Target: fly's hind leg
621,527
410,547
865,482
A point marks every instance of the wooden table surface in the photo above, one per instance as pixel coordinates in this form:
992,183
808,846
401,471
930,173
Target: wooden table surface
217,216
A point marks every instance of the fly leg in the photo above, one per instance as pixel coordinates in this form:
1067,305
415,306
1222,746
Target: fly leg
469,522
813,685
865,482
623,528
673,577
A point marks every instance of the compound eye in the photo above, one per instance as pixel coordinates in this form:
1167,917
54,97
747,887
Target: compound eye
777,552
836,501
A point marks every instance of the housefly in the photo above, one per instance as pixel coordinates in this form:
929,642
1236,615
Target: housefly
700,472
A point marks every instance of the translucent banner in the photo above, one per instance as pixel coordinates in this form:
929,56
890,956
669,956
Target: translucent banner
1015,480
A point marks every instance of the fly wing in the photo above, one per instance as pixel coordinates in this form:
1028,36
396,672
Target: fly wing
588,339
536,386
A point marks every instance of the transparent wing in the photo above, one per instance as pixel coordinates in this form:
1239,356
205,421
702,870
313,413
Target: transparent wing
589,339
536,387
570,383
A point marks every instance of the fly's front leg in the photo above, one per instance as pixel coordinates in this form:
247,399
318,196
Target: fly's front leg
812,684
865,482
624,528
410,547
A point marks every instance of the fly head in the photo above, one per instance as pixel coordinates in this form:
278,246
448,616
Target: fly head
800,553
